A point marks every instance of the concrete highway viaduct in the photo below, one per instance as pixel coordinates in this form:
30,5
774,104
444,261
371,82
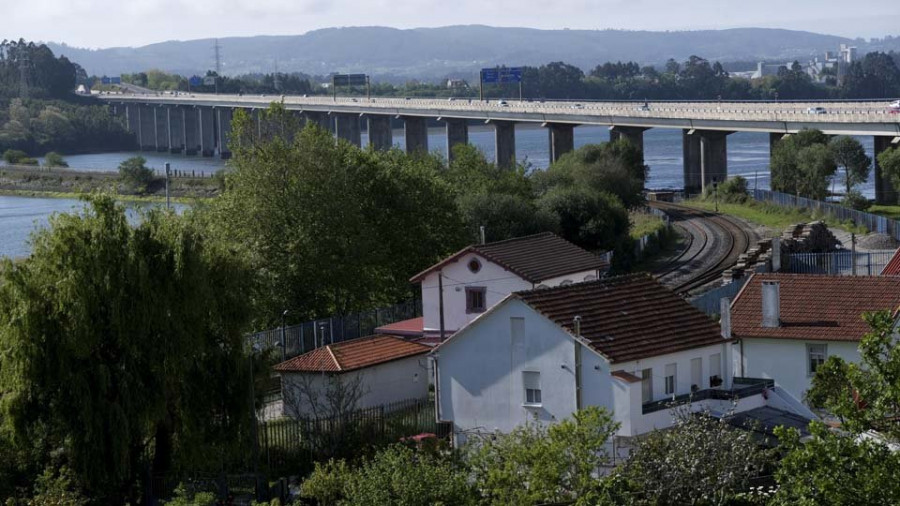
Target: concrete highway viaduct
199,124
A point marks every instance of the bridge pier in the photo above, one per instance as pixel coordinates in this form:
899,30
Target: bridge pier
381,137
175,127
457,133
223,117
415,130
634,135
207,130
132,119
162,131
190,130
146,128
885,193
504,143
562,139
347,127
320,119
705,159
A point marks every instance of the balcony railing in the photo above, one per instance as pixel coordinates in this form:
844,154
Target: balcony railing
740,388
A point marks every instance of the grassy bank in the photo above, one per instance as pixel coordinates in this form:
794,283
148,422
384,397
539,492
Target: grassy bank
771,215
892,212
119,197
644,224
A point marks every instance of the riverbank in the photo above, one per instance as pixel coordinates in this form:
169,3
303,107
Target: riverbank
67,183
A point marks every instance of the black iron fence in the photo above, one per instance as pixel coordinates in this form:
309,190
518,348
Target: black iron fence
309,335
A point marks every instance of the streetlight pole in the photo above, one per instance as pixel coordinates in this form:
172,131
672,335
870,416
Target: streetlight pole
283,341
716,192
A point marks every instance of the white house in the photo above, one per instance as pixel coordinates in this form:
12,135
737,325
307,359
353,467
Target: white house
627,344
365,372
469,282
786,325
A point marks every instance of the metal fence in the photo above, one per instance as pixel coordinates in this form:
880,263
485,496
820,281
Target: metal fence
840,263
709,301
313,334
871,221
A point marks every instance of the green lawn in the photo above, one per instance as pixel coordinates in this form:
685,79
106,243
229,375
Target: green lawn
892,212
644,224
771,215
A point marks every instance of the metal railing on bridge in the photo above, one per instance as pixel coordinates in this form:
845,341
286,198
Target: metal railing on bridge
840,263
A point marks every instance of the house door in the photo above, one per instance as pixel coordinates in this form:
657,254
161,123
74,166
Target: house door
646,385
696,373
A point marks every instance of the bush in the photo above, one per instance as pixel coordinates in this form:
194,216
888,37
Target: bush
733,190
135,173
54,159
184,497
12,156
53,488
855,200
327,482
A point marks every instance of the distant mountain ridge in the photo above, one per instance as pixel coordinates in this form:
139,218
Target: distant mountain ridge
449,51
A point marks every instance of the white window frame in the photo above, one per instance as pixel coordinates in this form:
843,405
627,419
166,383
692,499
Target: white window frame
810,372
671,380
531,387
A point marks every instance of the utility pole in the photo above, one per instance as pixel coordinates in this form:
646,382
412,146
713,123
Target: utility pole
168,171
218,56
441,302
283,340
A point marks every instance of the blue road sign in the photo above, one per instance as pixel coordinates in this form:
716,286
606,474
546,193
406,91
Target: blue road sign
115,80
104,80
195,81
502,75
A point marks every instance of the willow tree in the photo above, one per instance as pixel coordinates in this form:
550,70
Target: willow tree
121,348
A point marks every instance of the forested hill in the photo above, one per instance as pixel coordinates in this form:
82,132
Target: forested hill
451,50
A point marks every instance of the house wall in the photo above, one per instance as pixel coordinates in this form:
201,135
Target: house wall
394,381
786,361
682,359
457,276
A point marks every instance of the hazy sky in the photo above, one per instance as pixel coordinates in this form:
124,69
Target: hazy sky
106,23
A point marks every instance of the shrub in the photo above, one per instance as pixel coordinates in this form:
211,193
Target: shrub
732,190
13,156
855,200
54,159
135,173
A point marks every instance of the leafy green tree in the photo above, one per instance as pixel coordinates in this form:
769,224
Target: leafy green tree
865,395
701,460
54,159
504,216
593,220
14,156
850,155
135,173
470,173
889,161
329,227
787,174
833,469
123,349
815,166
537,464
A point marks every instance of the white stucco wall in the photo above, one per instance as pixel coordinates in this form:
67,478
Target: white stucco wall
457,276
394,381
786,360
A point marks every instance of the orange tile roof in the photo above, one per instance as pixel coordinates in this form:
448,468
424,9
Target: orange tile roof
627,317
893,266
815,306
412,327
353,354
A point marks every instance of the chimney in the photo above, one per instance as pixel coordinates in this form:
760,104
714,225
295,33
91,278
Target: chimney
771,304
725,316
576,323
776,254
481,233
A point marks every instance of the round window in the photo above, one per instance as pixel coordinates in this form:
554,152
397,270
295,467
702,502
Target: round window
474,265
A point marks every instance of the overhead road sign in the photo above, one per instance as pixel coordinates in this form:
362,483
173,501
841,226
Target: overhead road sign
502,75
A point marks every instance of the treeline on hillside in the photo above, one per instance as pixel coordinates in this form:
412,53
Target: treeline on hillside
39,111
877,75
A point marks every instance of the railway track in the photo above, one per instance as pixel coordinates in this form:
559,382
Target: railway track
714,245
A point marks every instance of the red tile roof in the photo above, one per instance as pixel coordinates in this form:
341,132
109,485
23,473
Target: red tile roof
626,376
535,258
353,354
627,317
408,328
814,306
893,266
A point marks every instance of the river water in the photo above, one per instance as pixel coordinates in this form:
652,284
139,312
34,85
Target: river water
748,156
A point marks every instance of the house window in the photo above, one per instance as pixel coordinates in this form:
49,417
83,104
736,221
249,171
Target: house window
475,296
474,265
715,369
816,353
670,379
532,382
646,386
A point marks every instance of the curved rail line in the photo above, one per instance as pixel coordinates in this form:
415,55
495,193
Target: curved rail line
720,246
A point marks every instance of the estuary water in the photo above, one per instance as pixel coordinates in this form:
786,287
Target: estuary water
748,156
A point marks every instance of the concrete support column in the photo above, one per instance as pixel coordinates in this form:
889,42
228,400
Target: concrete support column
190,131
175,128
347,127
320,119
415,129
146,128
634,135
131,119
505,143
562,139
207,130
162,128
381,137
457,133
705,159
885,193
223,117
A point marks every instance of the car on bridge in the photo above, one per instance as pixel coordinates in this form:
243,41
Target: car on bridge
816,110
894,107
502,103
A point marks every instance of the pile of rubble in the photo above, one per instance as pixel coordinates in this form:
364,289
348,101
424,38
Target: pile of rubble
811,237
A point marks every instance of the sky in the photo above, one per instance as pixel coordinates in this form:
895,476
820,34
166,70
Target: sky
110,23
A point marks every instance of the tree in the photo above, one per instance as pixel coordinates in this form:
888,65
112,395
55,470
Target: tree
54,159
124,348
889,161
831,469
701,460
135,173
787,175
815,166
850,156
504,216
537,464
590,219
